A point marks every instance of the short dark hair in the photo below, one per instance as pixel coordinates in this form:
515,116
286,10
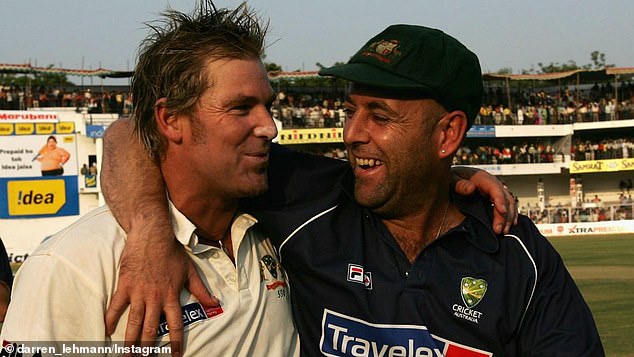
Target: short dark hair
172,59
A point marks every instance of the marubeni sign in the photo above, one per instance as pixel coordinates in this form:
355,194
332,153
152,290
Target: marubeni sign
28,117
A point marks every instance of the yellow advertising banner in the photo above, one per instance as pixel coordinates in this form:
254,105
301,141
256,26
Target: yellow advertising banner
24,129
579,167
311,136
36,197
66,127
6,129
44,128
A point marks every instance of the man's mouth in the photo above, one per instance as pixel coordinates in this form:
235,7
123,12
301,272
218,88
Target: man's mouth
366,163
258,156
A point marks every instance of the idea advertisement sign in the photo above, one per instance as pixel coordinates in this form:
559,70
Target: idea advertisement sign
38,166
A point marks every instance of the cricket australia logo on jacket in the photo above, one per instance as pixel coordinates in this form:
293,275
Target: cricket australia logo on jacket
472,291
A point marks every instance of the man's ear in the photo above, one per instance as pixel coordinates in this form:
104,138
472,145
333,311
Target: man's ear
453,128
168,123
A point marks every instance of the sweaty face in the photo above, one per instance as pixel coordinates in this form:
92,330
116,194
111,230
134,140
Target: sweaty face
391,149
231,130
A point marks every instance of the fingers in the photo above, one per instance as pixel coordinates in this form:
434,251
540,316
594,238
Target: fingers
135,323
150,287
465,187
173,316
501,200
459,179
118,305
150,324
512,212
197,288
505,213
499,218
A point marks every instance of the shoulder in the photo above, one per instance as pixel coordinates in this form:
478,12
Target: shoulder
98,229
525,236
526,233
70,276
297,178
90,246
282,157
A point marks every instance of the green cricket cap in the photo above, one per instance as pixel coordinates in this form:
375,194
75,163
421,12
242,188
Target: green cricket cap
417,59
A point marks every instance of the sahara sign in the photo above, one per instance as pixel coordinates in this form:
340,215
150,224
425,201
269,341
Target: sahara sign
578,167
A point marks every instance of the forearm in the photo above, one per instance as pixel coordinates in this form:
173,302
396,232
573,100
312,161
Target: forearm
154,266
131,182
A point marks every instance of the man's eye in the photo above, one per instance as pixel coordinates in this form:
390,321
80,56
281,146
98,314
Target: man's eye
380,118
241,109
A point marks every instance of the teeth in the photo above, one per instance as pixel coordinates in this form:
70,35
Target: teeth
368,162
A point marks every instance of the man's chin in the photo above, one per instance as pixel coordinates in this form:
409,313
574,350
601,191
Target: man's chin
366,199
257,189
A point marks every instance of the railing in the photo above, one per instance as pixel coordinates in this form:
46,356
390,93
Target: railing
589,212
555,116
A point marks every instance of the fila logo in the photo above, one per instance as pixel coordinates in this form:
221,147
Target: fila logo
356,274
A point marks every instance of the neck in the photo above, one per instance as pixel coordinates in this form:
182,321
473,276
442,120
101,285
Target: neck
211,213
415,232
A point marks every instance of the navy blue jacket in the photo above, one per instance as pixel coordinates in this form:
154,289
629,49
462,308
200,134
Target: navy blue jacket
470,293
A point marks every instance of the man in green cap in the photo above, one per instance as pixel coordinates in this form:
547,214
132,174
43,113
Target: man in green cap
382,258
477,294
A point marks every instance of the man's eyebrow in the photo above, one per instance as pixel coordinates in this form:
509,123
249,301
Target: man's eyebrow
250,99
374,105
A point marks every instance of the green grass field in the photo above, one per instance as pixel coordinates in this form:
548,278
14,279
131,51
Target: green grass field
603,268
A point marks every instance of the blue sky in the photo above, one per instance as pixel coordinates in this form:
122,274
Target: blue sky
504,33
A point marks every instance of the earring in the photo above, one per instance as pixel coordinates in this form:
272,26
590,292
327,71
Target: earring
443,151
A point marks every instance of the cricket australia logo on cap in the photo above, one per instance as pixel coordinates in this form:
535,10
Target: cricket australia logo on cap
383,50
472,291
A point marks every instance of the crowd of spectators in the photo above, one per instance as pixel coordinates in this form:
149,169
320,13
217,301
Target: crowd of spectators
19,98
566,215
324,110
598,213
529,108
621,148
591,210
507,154
308,111
564,107
582,150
